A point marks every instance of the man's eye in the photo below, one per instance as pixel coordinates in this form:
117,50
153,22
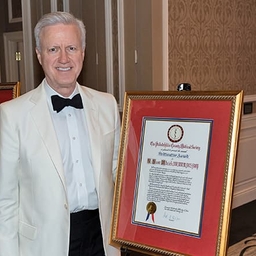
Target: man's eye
53,49
72,48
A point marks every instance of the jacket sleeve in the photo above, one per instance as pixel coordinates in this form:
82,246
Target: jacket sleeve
9,158
116,142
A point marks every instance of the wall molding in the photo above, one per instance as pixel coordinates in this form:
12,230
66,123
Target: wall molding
10,41
165,46
121,52
109,46
250,98
245,179
28,46
244,192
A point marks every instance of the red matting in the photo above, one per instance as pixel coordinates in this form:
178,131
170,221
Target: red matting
6,94
220,112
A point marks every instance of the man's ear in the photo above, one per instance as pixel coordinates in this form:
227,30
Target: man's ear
38,54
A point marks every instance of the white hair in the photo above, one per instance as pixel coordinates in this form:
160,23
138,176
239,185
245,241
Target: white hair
54,18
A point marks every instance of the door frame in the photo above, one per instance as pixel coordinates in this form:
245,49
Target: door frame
28,46
10,45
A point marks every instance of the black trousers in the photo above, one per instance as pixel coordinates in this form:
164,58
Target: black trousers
85,234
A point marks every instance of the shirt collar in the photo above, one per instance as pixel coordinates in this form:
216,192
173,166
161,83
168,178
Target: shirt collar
50,91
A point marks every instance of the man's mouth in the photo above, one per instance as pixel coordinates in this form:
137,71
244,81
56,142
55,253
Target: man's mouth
64,69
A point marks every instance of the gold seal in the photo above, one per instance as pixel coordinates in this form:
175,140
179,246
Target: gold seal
151,208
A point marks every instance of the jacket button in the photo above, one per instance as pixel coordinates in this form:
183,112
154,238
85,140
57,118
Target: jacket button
66,206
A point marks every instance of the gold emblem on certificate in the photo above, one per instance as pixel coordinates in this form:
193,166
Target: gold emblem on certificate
151,209
175,133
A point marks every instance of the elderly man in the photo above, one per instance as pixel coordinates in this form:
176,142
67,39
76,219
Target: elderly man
58,154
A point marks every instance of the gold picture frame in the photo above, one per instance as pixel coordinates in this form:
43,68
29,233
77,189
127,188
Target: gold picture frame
175,176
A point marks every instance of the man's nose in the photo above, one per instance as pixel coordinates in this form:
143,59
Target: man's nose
63,58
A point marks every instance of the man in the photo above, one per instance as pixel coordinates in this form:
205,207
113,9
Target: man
57,162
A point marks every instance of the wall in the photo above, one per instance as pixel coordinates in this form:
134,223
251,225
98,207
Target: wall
138,44
5,26
212,44
245,179
143,45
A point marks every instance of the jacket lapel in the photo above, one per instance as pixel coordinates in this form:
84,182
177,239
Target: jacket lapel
91,115
43,121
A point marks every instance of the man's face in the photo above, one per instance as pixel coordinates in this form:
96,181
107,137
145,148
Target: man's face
61,56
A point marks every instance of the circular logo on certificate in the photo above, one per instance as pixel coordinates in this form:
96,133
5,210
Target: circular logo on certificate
175,133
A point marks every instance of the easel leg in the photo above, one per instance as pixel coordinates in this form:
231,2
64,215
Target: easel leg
124,251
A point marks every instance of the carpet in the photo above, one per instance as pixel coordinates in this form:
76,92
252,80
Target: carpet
246,247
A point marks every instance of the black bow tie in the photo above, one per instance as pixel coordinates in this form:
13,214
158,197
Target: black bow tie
59,103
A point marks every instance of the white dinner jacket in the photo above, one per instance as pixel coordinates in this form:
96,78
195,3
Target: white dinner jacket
34,212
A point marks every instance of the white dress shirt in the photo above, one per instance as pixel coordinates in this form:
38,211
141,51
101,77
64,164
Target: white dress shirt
72,133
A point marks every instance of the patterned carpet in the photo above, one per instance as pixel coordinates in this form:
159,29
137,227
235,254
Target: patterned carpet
246,247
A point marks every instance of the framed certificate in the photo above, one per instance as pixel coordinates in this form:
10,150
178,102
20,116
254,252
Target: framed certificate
9,90
176,169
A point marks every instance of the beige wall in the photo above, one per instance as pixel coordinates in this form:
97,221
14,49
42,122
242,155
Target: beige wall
212,44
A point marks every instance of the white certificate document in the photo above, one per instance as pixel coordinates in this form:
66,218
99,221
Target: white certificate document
171,174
